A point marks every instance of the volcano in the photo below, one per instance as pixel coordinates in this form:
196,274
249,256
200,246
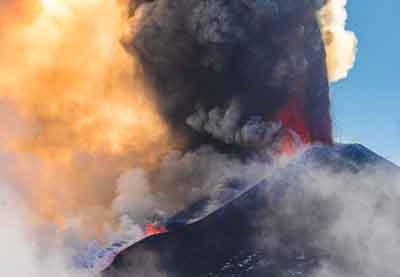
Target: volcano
249,79
256,234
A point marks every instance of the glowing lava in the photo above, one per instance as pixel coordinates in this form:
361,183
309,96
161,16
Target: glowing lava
152,229
292,118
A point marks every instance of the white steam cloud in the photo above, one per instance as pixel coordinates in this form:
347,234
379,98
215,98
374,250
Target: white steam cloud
352,217
26,252
363,239
340,44
134,197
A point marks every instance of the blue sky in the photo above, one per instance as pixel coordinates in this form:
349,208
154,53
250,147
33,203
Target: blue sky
366,105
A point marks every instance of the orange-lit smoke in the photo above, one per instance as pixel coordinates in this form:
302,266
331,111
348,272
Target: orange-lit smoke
340,44
86,118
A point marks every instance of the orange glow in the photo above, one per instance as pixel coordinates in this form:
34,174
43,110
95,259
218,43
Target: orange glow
73,86
292,117
69,72
288,145
151,230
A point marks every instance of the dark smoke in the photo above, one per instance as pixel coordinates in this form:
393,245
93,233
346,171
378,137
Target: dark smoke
268,56
235,79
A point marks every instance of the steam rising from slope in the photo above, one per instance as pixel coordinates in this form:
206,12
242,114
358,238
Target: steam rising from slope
340,44
331,211
351,217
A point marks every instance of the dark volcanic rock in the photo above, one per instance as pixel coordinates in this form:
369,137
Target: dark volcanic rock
267,54
277,228
223,244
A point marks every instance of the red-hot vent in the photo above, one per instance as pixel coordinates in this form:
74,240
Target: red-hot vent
292,118
152,229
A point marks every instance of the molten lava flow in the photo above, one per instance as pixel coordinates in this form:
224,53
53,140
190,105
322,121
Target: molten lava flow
85,117
152,229
292,118
288,144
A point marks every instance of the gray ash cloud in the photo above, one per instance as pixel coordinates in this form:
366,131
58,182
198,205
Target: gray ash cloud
206,53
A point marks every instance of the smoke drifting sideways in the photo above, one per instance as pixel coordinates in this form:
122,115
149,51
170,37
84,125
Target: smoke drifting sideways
221,83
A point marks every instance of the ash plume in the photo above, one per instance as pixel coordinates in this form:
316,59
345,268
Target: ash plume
193,175
207,53
225,126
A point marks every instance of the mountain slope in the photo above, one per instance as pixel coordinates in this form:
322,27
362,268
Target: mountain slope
279,227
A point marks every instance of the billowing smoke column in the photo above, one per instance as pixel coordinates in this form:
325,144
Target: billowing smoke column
238,81
226,72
